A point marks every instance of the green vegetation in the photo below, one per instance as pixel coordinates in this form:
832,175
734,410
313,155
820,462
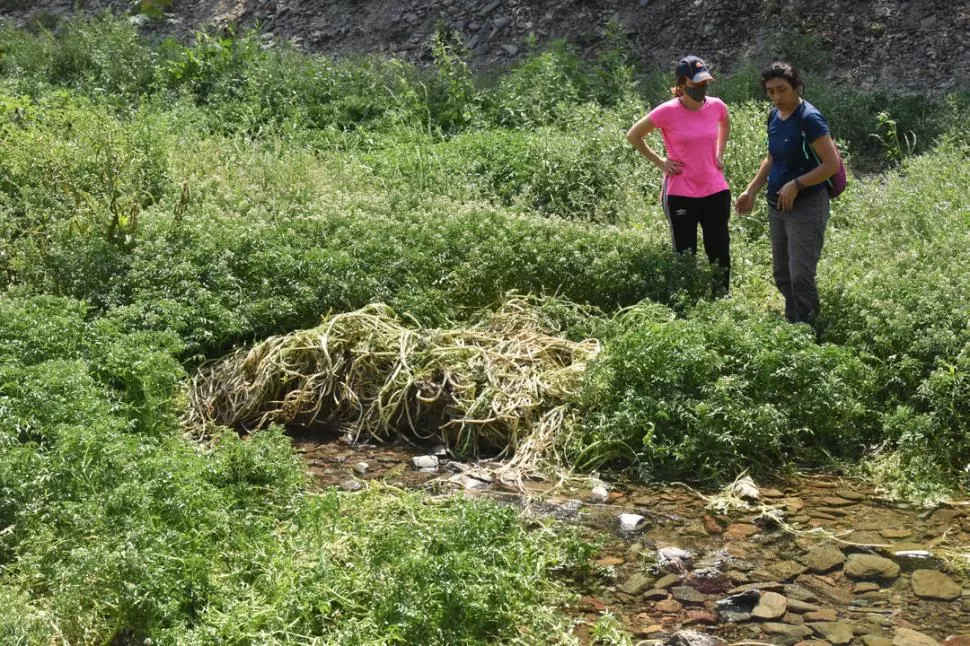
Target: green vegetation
160,206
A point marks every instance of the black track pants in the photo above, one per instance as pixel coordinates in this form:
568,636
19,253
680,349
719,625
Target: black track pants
712,213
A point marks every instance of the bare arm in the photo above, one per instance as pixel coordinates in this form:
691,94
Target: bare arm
636,136
825,149
723,133
745,201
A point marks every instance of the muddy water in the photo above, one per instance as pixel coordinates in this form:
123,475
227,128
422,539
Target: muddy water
830,563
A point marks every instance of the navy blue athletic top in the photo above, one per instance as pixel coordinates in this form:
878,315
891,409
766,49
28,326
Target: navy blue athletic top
785,138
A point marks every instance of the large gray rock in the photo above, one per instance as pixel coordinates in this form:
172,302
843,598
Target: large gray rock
933,584
869,566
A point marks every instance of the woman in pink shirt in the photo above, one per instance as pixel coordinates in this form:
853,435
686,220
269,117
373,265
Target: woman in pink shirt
695,129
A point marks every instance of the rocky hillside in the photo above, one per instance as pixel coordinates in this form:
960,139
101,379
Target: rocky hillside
892,45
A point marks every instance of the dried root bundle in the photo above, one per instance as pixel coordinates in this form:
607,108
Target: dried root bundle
502,386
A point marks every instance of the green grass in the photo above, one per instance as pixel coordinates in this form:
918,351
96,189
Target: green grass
160,205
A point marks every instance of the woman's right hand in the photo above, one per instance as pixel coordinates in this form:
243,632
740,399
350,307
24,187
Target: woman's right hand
744,203
671,167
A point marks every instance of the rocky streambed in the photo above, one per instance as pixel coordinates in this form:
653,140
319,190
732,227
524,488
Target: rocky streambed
815,560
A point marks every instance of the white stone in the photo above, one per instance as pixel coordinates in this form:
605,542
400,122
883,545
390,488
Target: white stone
631,522
425,462
599,494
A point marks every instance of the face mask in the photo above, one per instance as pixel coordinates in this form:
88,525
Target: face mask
698,92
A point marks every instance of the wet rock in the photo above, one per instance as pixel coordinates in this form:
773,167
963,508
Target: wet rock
631,522
738,607
709,580
850,494
793,505
609,561
711,526
700,617
669,606
869,566
693,638
785,570
823,589
786,630
876,640
795,591
740,531
425,462
796,605
823,558
956,640
836,501
636,584
933,584
864,586
836,632
667,580
825,614
895,533
812,642
361,468
771,606
599,494
655,595
510,49
915,559
907,637
351,485
674,559
793,619
687,594
876,596
772,493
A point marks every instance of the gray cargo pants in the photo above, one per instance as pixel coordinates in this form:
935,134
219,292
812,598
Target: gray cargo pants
796,244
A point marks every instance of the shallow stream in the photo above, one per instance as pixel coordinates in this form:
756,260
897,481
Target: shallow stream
815,560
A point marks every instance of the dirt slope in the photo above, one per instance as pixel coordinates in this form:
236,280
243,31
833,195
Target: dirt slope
893,45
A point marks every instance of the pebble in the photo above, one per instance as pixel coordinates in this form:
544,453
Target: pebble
429,462
351,485
361,468
599,494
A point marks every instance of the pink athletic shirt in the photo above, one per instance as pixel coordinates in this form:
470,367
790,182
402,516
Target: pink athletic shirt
691,138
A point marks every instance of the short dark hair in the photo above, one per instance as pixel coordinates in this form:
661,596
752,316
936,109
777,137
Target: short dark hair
780,70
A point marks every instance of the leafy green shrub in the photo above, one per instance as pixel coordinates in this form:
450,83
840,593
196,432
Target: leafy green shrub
722,390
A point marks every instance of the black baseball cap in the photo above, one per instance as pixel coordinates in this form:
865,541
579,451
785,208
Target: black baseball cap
694,69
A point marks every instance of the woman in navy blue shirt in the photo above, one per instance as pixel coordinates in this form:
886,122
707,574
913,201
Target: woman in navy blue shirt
798,203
